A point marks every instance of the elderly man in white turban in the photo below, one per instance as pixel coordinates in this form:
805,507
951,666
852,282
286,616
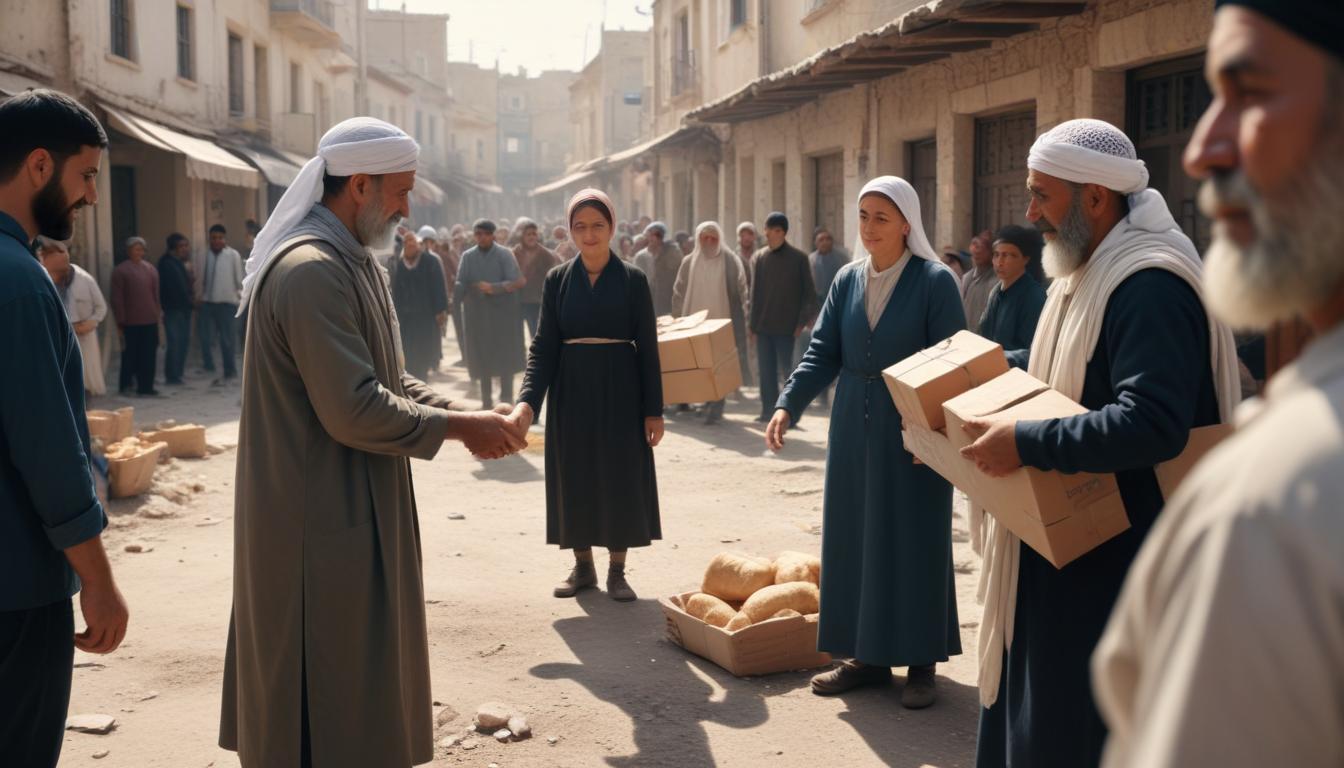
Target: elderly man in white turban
327,661
1125,333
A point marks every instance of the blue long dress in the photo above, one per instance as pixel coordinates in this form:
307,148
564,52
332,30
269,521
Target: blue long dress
887,597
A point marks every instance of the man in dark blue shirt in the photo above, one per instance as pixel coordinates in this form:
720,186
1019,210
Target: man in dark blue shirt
1015,303
50,519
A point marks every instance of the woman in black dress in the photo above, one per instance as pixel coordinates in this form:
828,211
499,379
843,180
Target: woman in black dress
596,355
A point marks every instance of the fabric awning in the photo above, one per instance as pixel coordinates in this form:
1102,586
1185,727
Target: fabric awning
280,168
427,192
561,183
929,32
205,159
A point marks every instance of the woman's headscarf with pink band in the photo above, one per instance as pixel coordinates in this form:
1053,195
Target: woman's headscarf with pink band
583,196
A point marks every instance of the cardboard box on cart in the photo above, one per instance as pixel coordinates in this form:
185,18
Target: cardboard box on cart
774,645
698,358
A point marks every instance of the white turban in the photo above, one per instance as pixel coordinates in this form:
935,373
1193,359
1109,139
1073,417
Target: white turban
427,233
899,191
1088,151
358,145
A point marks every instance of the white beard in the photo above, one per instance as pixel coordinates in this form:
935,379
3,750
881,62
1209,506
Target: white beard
1292,266
1066,251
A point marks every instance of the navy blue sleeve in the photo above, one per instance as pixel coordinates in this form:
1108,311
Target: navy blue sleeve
646,343
823,359
48,435
1155,335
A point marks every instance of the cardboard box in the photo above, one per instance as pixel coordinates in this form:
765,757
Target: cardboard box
186,441
703,385
921,383
774,645
1202,440
693,342
1061,516
132,473
111,426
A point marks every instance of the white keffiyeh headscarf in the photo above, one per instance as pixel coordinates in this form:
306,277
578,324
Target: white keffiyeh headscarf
1091,152
358,145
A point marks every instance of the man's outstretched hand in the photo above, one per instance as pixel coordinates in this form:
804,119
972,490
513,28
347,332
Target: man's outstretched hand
487,434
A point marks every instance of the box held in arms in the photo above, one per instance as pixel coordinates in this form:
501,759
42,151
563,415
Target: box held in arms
774,645
921,383
698,359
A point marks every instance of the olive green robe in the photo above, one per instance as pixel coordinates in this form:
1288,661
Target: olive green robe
327,562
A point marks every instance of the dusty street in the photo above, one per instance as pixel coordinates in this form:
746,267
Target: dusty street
598,675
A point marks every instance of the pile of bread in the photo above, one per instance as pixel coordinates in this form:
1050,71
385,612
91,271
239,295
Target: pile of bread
740,590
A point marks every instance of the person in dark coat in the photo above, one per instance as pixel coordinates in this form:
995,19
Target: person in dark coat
421,300
1015,303
177,298
1128,338
488,285
783,303
887,594
595,356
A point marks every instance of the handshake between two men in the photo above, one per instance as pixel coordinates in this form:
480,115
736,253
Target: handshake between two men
492,434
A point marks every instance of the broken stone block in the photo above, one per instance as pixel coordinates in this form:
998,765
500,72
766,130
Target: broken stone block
492,716
91,723
503,734
445,716
519,726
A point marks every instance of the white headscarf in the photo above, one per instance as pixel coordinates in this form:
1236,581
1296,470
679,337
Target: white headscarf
1087,151
358,145
899,191
707,226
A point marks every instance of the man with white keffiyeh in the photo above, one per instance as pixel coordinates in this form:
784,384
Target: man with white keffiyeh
327,660
1125,333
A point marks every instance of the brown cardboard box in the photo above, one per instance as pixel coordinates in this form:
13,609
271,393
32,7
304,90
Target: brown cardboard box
1202,440
1061,516
111,426
693,342
185,441
703,385
131,467
773,645
921,383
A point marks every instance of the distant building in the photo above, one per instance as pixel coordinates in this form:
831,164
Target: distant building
535,138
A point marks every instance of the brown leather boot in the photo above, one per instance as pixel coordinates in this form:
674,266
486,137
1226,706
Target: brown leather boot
617,587
583,576
849,675
920,690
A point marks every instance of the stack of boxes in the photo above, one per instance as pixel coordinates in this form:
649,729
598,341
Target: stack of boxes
699,359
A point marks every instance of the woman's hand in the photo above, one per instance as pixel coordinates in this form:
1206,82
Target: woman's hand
653,430
522,417
774,431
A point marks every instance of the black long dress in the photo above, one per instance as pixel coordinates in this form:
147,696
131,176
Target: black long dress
601,488
419,295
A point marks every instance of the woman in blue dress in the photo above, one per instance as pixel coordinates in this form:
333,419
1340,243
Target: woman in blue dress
887,597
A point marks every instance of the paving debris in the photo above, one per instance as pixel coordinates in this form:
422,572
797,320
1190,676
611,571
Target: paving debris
491,716
91,723
520,728
138,546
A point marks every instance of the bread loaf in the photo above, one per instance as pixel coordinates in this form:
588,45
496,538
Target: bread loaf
732,577
801,596
709,609
797,566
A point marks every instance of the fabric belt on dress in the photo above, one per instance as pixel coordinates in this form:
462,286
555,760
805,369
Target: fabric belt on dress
589,340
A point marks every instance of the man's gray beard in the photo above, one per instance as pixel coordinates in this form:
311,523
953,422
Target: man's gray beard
371,229
1066,251
1291,267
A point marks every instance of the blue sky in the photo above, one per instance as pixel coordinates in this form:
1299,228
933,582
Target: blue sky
536,34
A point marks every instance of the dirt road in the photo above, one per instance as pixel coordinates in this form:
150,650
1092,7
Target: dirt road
598,675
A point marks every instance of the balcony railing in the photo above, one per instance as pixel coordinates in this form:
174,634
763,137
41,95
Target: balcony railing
685,76
313,22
